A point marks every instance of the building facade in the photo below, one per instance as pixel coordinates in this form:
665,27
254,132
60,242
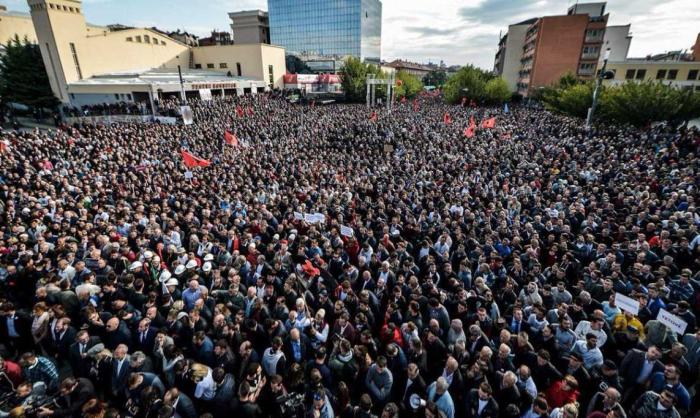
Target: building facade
682,74
538,51
417,70
73,50
321,27
15,24
250,27
217,38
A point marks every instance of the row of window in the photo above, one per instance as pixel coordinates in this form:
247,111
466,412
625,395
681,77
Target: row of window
222,65
53,6
639,74
146,40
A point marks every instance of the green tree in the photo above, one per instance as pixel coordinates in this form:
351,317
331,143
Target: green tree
296,66
469,82
497,90
640,103
353,78
410,85
569,95
23,76
436,78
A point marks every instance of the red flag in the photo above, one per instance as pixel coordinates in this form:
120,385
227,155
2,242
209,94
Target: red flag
415,105
469,131
373,117
193,161
239,111
3,147
403,99
489,123
447,118
250,111
230,138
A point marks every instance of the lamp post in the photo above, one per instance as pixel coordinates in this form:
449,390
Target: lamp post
596,92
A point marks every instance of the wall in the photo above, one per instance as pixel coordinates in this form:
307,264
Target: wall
652,67
12,24
558,48
126,55
254,59
618,39
513,53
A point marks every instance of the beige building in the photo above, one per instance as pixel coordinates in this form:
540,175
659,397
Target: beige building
250,27
73,50
682,74
15,24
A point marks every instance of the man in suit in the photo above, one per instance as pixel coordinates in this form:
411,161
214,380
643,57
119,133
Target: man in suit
62,336
296,347
81,351
480,403
636,370
181,403
116,333
145,338
516,323
415,385
121,368
15,328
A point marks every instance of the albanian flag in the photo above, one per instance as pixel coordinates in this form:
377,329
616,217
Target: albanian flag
469,131
373,116
447,118
489,123
230,138
192,161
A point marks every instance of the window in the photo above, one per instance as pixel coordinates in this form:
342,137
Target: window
692,74
116,96
128,96
223,65
672,74
629,74
75,61
210,65
270,72
661,74
147,39
51,5
641,74
238,69
198,66
129,39
162,42
138,39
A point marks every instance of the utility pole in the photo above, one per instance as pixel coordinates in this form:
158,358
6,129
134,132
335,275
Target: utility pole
182,85
596,92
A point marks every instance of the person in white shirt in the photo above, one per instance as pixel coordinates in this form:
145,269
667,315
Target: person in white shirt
594,326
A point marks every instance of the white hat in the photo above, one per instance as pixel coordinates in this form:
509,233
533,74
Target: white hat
191,264
165,276
276,237
209,257
179,270
172,282
147,255
206,267
135,265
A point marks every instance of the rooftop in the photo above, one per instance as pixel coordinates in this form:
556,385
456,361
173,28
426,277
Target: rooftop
158,76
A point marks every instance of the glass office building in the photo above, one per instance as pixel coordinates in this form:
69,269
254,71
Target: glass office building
327,27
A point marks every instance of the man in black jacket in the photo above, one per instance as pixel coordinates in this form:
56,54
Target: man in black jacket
415,385
80,353
474,399
15,328
73,395
181,403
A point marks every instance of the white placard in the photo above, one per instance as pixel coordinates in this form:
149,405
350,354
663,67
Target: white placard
298,216
346,231
187,117
188,175
205,94
672,321
626,303
309,218
320,217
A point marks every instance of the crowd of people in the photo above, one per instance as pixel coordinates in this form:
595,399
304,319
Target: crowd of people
163,107
337,261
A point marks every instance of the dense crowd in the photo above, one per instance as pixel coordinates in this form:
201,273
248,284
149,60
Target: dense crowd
337,264
163,107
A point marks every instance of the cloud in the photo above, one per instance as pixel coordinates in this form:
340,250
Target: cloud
431,31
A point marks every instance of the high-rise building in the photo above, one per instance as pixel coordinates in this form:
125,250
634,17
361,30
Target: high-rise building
250,27
538,51
328,28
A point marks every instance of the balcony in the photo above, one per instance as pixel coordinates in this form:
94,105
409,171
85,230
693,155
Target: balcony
589,56
586,71
593,39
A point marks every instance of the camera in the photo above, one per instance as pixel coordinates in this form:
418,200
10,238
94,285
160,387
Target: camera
291,405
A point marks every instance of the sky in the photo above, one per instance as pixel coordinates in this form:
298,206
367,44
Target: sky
455,31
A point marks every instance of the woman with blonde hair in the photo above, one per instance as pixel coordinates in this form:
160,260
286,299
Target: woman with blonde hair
570,410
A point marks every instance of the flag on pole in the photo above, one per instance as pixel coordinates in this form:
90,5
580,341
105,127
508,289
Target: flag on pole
193,161
505,108
469,131
489,123
447,118
230,138
239,111
373,116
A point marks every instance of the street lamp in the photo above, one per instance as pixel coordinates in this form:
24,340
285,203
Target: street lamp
599,81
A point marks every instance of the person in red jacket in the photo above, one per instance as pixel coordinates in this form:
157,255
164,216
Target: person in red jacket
10,375
562,392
